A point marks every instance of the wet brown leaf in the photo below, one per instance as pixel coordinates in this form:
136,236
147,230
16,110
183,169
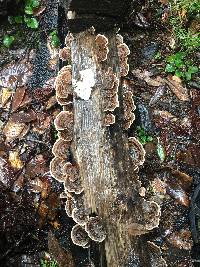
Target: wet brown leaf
190,155
23,117
177,88
38,11
181,240
18,97
38,166
59,254
175,191
43,123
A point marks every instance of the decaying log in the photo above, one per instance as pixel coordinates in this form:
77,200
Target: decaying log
108,174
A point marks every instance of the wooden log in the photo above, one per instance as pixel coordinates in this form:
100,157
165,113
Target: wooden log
108,173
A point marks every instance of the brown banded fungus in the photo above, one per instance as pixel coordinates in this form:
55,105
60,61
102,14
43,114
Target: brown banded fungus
95,230
65,53
66,135
102,47
109,119
129,107
62,101
56,168
123,52
71,171
119,39
151,214
79,236
70,204
64,120
136,151
61,149
73,186
80,216
63,82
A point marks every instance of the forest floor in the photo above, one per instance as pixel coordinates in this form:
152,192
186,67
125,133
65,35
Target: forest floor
164,39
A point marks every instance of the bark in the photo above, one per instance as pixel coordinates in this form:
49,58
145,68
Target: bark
110,182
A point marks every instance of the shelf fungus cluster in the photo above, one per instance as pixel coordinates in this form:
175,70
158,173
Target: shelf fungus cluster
123,52
110,96
64,168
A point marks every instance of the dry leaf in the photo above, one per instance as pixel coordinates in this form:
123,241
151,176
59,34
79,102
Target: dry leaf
15,160
180,91
5,96
14,130
18,97
145,75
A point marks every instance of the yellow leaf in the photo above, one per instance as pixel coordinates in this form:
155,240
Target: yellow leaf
5,95
55,224
15,160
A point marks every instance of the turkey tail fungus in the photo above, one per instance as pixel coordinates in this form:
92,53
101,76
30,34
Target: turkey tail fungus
100,179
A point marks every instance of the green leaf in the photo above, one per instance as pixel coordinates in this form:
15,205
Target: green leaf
32,23
28,10
55,41
35,3
188,76
179,73
149,138
161,151
53,33
193,69
8,40
170,68
18,19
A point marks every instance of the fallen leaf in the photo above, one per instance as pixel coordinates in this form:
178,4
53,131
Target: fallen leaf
55,224
181,240
146,76
5,96
23,117
18,97
62,256
14,130
51,102
38,11
177,88
15,160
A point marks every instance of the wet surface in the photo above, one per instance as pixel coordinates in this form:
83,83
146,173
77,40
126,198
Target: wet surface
33,219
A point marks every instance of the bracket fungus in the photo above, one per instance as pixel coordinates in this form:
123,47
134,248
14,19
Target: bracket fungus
73,186
109,119
95,230
64,120
80,216
70,204
79,236
56,168
66,135
63,82
71,171
61,149
136,151
110,98
129,107
102,47
151,214
65,53
123,52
